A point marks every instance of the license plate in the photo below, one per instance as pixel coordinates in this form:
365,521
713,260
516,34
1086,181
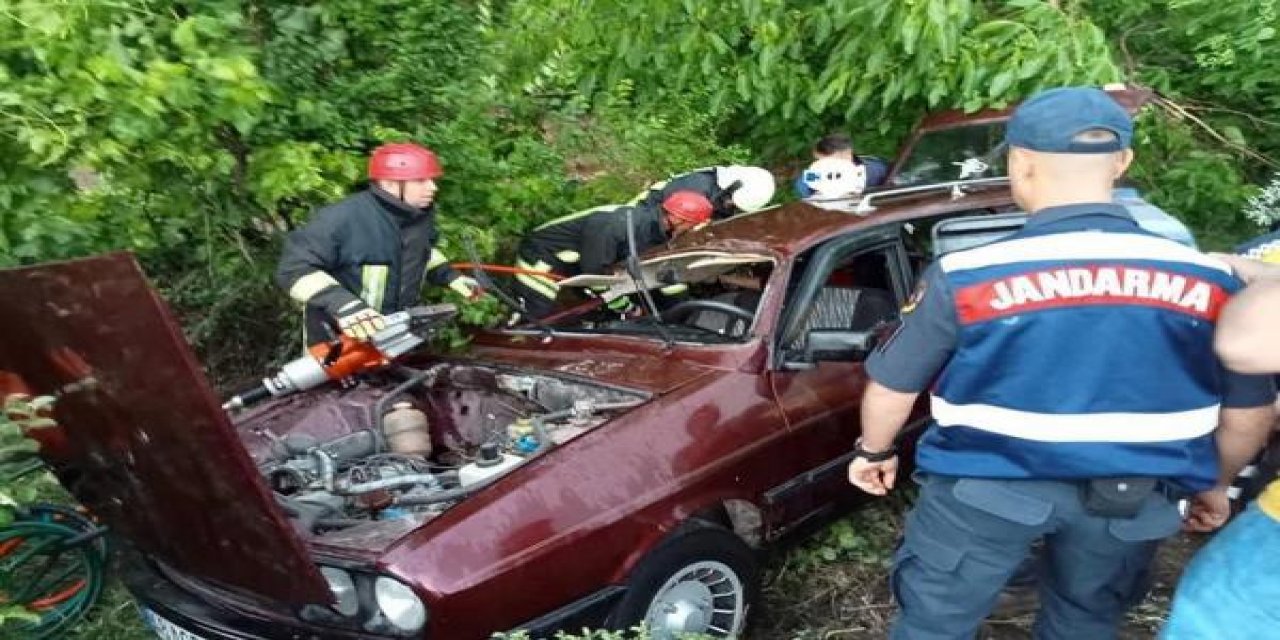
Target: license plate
166,630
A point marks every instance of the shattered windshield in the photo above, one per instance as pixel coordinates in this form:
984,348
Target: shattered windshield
709,297
958,153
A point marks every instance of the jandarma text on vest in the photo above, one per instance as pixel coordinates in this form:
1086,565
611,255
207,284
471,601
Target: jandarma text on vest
1092,285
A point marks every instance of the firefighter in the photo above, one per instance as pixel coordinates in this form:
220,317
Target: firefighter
731,189
369,254
591,241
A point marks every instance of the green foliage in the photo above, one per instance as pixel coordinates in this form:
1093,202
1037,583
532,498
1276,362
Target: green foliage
867,537
197,135
790,68
1217,63
10,613
1201,185
18,459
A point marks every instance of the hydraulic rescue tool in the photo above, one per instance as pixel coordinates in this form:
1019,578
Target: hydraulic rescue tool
345,356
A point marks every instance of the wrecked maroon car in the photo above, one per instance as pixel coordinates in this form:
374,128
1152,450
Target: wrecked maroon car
591,471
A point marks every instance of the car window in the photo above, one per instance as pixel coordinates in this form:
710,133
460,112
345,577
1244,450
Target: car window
940,156
853,290
702,298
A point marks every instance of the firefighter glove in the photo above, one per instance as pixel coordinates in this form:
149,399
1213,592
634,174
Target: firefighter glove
361,322
467,287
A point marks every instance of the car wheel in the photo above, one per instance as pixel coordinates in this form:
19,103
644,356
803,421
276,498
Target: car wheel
704,580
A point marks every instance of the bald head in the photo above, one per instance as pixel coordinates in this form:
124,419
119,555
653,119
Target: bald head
1041,179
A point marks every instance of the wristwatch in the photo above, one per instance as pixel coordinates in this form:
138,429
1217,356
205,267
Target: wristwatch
873,456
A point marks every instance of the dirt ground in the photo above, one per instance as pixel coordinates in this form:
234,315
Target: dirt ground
848,599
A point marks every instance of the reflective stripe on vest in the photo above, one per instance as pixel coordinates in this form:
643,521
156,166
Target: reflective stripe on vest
577,215
543,285
373,284
306,287
436,259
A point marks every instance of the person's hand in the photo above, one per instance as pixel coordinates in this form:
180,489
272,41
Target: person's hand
1207,511
876,478
467,287
361,324
1248,269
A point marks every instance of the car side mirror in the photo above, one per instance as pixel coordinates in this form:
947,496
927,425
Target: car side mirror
833,345
837,345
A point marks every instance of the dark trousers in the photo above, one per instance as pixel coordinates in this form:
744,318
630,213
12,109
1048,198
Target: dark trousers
965,537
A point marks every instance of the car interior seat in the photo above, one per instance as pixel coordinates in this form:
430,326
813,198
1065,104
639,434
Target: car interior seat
847,309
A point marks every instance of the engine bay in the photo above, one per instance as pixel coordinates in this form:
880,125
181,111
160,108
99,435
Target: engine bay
405,446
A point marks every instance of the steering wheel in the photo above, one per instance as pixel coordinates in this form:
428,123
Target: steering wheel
683,310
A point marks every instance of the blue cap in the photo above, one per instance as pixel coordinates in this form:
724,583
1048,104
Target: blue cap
1050,120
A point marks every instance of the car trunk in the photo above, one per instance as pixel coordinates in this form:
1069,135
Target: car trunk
147,446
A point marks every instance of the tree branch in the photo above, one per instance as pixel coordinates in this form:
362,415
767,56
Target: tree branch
1181,112
1209,107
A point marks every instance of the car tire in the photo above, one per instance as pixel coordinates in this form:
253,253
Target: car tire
704,579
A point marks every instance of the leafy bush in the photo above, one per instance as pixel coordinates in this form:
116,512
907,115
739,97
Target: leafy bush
197,135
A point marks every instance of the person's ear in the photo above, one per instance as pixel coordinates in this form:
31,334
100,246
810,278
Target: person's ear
1123,159
1021,165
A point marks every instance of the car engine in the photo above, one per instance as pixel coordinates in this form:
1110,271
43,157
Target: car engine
410,446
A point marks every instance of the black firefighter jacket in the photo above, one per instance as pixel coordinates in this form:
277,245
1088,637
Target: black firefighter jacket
591,241
702,181
370,247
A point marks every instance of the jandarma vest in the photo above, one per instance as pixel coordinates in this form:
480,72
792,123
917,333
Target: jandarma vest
1081,353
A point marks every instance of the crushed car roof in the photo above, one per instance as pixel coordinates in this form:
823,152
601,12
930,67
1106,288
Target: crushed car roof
790,228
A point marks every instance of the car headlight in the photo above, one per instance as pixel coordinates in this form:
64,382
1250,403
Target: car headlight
347,601
400,604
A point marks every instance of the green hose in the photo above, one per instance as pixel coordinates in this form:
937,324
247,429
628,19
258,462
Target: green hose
57,567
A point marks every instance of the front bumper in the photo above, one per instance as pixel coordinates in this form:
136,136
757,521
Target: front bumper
209,618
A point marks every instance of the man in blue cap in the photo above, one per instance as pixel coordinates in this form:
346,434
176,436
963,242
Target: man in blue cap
1075,394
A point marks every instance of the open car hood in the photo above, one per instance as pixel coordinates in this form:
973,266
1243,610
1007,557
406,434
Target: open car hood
148,448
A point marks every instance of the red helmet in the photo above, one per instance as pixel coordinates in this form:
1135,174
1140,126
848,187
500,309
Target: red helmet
404,161
689,206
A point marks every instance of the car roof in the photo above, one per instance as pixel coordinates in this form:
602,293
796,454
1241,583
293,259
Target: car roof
1129,97
1132,98
793,227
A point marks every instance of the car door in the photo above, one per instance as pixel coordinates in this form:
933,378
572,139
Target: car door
852,284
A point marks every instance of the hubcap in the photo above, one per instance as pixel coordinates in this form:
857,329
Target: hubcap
704,597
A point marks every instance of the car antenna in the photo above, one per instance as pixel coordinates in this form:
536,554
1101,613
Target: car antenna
637,278
485,281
